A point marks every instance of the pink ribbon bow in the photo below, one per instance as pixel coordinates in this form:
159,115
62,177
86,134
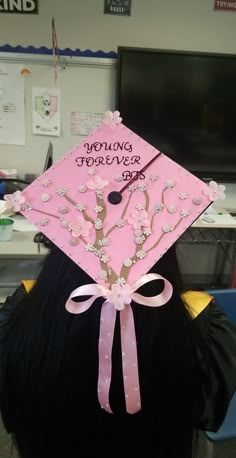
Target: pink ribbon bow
118,298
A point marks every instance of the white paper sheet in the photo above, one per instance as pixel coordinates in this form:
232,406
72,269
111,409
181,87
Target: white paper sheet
85,123
12,105
46,111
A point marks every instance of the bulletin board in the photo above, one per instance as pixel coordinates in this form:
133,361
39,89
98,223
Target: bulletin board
87,86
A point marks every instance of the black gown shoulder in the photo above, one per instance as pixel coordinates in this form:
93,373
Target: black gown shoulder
218,365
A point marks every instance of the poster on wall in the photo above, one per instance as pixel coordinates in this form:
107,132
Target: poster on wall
119,7
85,123
46,111
225,5
12,105
19,6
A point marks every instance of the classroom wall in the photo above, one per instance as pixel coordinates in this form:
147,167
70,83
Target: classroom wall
167,24
172,24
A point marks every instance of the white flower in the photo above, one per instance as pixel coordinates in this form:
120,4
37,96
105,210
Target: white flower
91,171
105,258
98,209
82,188
158,208
141,254
184,213
98,224
64,223
46,183
138,232
44,222
89,247
132,188
153,177
80,207
147,232
98,253
139,240
26,207
142,187
104,242
139,206
99,194
61,191
120,223
182,195
120,281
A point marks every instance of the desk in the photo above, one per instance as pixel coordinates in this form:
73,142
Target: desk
22,246
19,258
220,234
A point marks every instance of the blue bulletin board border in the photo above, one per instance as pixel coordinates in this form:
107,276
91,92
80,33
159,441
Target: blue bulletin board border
67,52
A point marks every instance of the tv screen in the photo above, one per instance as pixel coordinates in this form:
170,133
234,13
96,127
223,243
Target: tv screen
183,104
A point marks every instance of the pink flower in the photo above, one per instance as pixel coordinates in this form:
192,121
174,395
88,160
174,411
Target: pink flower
97,183
120,296
112,119
139,219
14,201
80,227
215,191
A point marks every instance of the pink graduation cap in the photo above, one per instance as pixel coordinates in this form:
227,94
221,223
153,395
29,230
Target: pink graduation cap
115,204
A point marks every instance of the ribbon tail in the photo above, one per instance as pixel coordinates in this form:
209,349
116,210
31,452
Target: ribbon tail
107,328
130,361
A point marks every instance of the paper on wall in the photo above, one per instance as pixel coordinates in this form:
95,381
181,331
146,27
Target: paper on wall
46,111
85,123
12,105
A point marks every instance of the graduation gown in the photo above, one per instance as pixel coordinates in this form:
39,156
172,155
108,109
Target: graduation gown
122,435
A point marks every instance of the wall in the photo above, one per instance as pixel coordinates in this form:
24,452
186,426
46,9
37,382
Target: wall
173,24
169,24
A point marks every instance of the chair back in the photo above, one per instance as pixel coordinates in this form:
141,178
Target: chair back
226,300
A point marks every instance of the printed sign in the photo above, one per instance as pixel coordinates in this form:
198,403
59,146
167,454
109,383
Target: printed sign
19,6
119,7
225,5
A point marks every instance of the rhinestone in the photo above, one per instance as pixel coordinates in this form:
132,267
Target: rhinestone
197,201
82,188
171,209
45,198
166,228
73,242
128,262
102,274
63,210
118,178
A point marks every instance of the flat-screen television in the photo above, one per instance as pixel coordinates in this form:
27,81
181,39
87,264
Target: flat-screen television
184,104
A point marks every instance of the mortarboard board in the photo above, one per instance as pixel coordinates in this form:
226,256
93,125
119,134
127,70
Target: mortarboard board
115,204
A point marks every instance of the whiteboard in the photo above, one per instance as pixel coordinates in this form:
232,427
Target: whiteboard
86,85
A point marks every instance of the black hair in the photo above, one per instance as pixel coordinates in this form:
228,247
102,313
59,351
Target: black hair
49,370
